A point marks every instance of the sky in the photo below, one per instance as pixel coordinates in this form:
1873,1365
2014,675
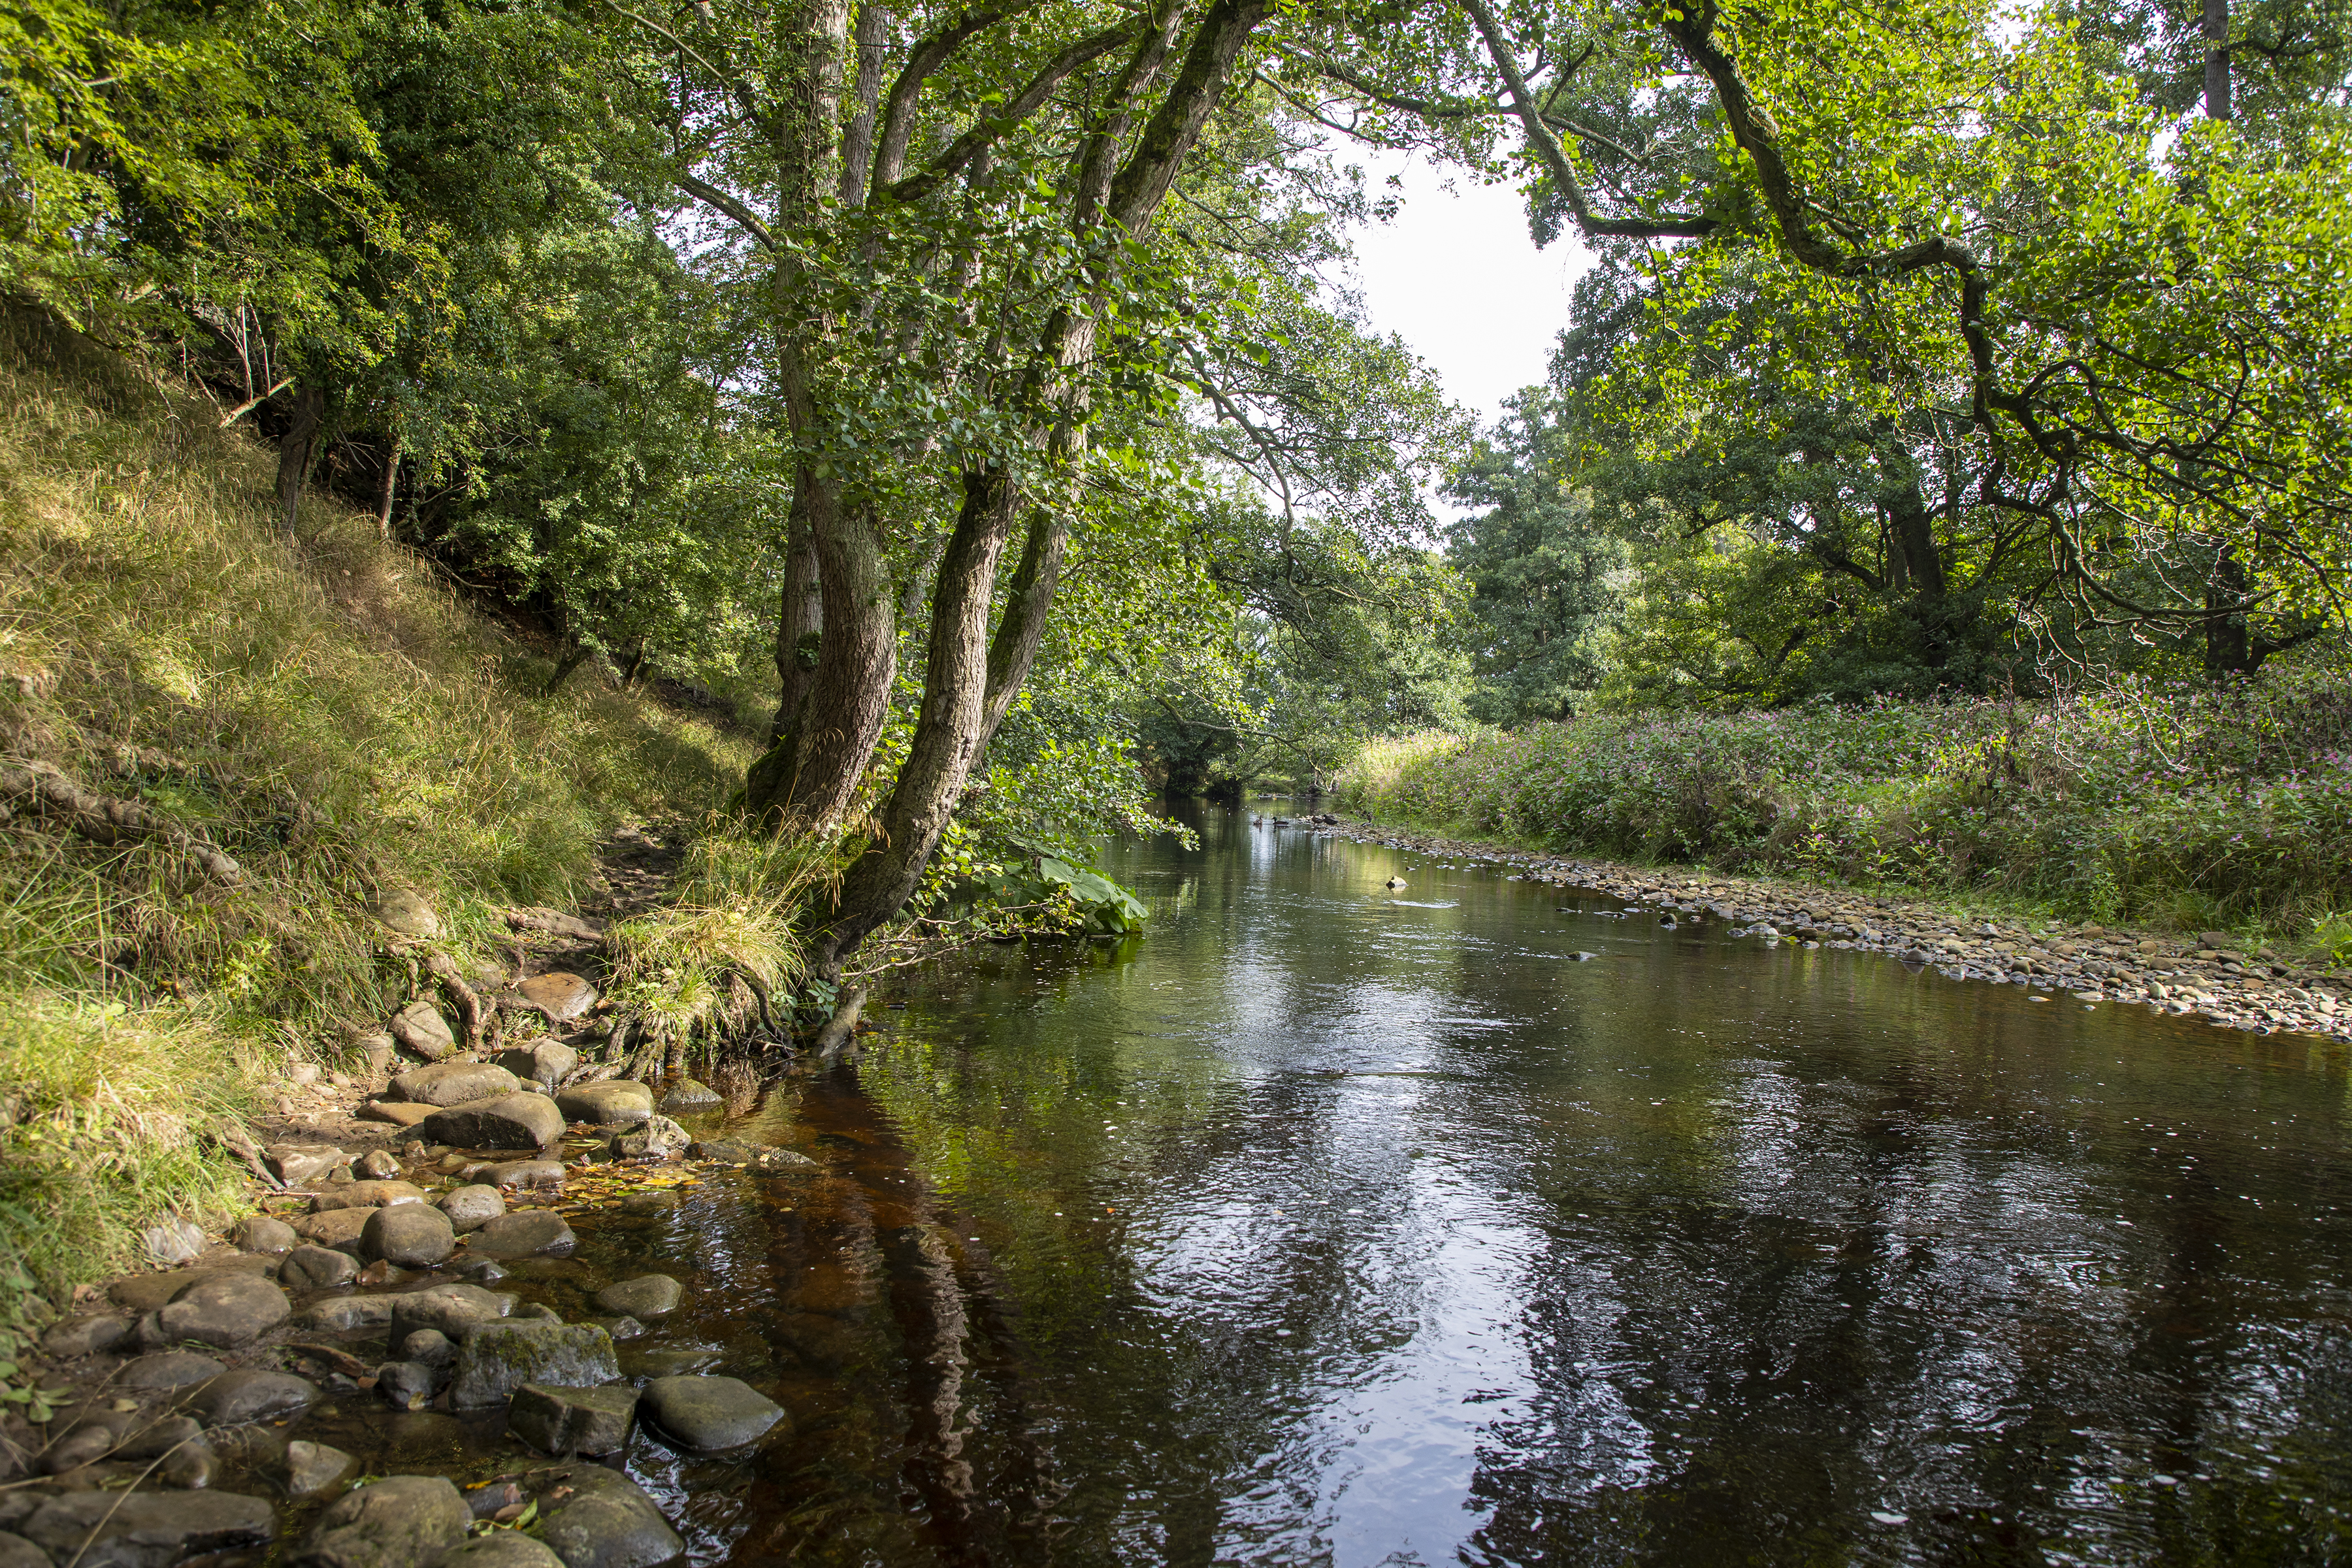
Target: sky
1456,275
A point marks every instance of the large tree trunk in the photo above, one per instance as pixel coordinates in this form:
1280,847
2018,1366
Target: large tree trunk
295,450
946,731
2217,60
799,619
390,489
2228,643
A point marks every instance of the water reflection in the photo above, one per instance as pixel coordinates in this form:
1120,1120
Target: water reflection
1327,1227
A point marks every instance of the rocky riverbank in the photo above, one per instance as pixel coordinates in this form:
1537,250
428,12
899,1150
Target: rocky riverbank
412,1317
2209,976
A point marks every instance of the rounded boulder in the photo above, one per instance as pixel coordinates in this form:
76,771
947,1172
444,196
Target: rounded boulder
412,1235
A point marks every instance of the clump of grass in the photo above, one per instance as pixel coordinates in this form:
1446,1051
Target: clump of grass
725,938
327,712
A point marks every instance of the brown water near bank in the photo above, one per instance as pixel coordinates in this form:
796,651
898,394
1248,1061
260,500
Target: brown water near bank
1336,1224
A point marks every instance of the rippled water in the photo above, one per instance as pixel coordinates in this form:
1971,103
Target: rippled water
1333,1226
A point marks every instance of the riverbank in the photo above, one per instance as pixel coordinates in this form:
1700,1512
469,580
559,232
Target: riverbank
2212,974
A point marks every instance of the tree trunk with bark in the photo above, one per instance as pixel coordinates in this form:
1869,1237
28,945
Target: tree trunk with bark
295,450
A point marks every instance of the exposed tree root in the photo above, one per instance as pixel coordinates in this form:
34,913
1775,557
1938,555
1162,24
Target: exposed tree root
103,819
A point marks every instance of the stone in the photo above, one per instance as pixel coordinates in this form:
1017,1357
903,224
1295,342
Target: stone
646,1296
516,1173
259,1233
728,1152
406,911
407,1384
159,1438
147,1529
709,1414
235,1398
412,1235
537,1313
453,1083
488,1499
346,1316
530,1234
225,1310
368,1194
397,1523
173,1240
595,1517
16,1551
190,1467
299,1165
559,993
421,1028
311,1467
317,1268
496,1359
566,1421
429,1346
614,1102
82,1445
399,1112
655,1138
337,1228
519,1120
150,1292
471,1208
499,1549
376,1165
450,1310
92,1334
374,1049
621,1328
542,1062
688,1095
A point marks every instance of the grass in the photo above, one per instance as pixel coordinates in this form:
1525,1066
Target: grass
330,714
2195,807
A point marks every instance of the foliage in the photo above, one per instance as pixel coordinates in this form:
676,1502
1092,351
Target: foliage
2175,803
729,913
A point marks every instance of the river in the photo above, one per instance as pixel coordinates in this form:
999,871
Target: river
1333,1224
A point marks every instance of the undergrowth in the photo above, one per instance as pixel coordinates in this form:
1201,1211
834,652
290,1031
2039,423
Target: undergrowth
328,712
2191,806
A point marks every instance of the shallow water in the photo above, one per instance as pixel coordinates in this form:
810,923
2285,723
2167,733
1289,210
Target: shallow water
1329,1225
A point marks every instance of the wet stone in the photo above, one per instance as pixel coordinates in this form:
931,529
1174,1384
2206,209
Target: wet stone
153,1440
451,1311
728,1152
397,1523
429,1346
147,1529
317,1268
499,1549
607,1104
259,1233
169,1368
647,1296
496,1359
235,1398
311,1467
709,1414
89,1335
564,1421
605,1521
453,1083
655,1138
687,1094
525,1235
349,1315
299,1165
225,1310
412,1235
407,1384
16,1551
639,1362
519,1120
188,1468
82,1445
517,1173
649,1203
621,1329
471,1207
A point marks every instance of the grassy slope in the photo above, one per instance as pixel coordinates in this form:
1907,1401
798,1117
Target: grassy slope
2184,807
332,716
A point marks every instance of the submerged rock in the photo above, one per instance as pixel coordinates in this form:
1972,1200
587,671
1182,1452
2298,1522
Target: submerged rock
311,1467
709,1414
687,1094
346,1316
451,1311
496,1359
397,1523
603,1520
529,1234
647,1296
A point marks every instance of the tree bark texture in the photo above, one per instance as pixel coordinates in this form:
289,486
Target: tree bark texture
295,450
2217,60
390,489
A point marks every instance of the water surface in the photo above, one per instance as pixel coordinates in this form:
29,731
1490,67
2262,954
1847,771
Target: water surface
1333,1225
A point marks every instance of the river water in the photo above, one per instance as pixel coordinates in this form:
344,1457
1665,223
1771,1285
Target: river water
1336,1224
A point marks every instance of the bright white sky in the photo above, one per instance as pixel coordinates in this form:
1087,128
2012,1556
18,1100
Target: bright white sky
1456,275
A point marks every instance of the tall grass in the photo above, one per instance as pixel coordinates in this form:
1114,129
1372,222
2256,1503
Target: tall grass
2188,805
328,712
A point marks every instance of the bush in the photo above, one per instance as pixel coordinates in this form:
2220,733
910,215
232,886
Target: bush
2178,804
